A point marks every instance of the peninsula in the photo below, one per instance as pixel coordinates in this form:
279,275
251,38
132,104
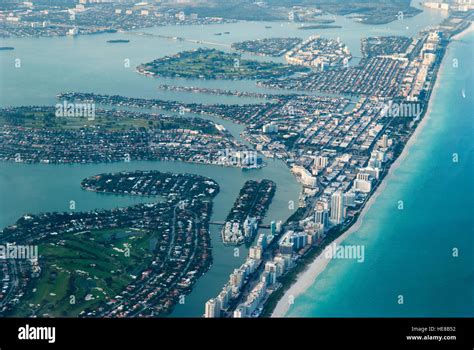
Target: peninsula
125,262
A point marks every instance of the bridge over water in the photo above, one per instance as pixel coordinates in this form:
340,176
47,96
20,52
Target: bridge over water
222,223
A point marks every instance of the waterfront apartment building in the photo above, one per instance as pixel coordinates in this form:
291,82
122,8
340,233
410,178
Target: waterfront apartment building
321,215
363,183
213,308
224,296
256,252
237,278
304,176
338,211
349,199
295,240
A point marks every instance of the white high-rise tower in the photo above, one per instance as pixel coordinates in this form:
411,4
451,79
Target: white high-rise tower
337,208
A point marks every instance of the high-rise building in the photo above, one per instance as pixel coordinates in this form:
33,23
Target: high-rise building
286,248
213,308
272,269
321,162
237,278
250,226
320,233
273,227
293,241
224,296
299,240
379,155
321,213
337,208
363,183
384,141
372,171
349,199
255,252
262,241
240,312
278,226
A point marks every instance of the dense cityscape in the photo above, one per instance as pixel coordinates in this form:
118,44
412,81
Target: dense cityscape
337,121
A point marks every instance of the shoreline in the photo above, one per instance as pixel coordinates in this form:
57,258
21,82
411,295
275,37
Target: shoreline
461,35
308,277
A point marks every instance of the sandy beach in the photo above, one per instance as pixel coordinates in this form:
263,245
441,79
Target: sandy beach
463,33
307,278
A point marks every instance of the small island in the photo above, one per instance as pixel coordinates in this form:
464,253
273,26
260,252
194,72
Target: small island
118,41
215,64
248,211
319,26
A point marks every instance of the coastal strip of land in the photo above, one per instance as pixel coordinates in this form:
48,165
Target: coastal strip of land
342,161
307,278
